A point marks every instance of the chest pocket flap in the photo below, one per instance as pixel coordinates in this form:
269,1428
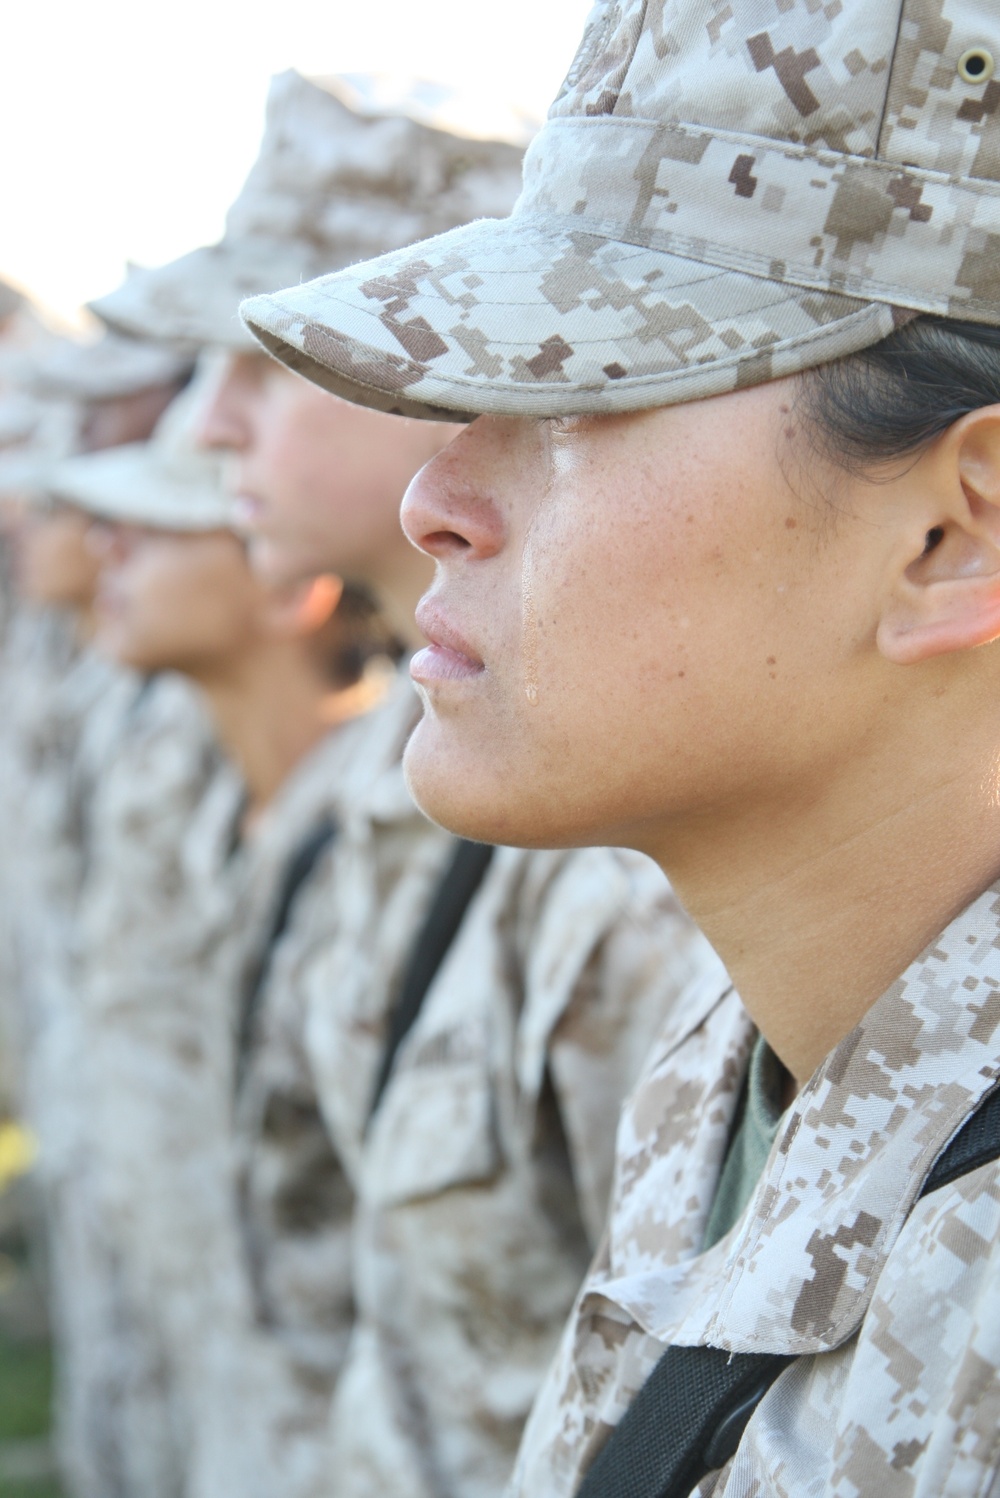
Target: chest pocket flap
436,1126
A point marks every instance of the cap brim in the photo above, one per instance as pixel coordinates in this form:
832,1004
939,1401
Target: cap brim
194,301
132,485
524,317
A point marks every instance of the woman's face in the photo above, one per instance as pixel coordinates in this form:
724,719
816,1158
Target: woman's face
171,600
54,564
317,481
638,620
124,418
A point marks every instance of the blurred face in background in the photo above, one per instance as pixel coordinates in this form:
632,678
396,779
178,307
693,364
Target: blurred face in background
54,564
317,481
124,418
176,600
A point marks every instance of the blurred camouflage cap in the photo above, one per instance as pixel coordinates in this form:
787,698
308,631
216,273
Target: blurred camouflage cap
330,186
10,300
167,482
726,191
99,369
49,432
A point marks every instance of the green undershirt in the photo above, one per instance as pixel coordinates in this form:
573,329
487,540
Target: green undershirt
755,1125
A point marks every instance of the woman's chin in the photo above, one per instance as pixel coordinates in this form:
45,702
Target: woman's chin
473,793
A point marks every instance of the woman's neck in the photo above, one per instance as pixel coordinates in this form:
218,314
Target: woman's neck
268,709
816,908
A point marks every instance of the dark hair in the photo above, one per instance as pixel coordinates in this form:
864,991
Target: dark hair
892,399
356,633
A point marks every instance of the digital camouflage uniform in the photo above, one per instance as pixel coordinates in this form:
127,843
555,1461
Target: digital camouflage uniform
236,1237
52,760
485,1174
891,1301
38,650
258,1352
149,768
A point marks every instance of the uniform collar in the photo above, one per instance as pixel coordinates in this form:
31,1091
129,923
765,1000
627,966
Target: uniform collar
796,1273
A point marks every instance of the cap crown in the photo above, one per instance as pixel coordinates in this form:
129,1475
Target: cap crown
101,369
864,77
845,146
346,185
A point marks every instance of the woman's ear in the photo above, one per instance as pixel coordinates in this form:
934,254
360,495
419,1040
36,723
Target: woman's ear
946,596
300,609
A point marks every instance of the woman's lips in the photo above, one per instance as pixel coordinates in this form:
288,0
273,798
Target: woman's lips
448,657
438,663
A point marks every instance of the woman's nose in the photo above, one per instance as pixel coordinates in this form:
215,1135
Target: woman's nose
448,511
223,424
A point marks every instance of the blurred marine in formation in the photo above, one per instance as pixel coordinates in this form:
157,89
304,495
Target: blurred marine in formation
326,1096
69,733
463,1023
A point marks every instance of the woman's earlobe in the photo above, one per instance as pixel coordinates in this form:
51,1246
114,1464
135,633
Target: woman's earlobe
946,601
298,610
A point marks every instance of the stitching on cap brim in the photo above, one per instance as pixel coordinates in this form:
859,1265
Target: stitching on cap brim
448,397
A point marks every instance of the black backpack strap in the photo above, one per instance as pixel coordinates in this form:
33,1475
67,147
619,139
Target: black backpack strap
690,1414
976,1143
686,1420
455,892
297,872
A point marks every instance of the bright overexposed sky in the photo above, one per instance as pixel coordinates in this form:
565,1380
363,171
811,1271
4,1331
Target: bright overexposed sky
126,129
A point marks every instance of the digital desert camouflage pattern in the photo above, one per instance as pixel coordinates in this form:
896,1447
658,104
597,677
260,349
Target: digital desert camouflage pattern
167,481
48,434
38,649
96,369
331,185
66,705
153,772
890,1300
235,1224
387,865
170,953
485,1172
725,192
269,1374
270,1377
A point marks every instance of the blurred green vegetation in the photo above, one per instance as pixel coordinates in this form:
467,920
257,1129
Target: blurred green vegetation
25,1390
25,1417
26,1372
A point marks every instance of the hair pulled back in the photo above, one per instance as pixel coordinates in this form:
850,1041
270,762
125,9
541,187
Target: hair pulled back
891,400
356,634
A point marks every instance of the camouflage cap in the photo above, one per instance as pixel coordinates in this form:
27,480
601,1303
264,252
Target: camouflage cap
99,369
19,416
49,433
330,186
725,191
166,483
10,300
